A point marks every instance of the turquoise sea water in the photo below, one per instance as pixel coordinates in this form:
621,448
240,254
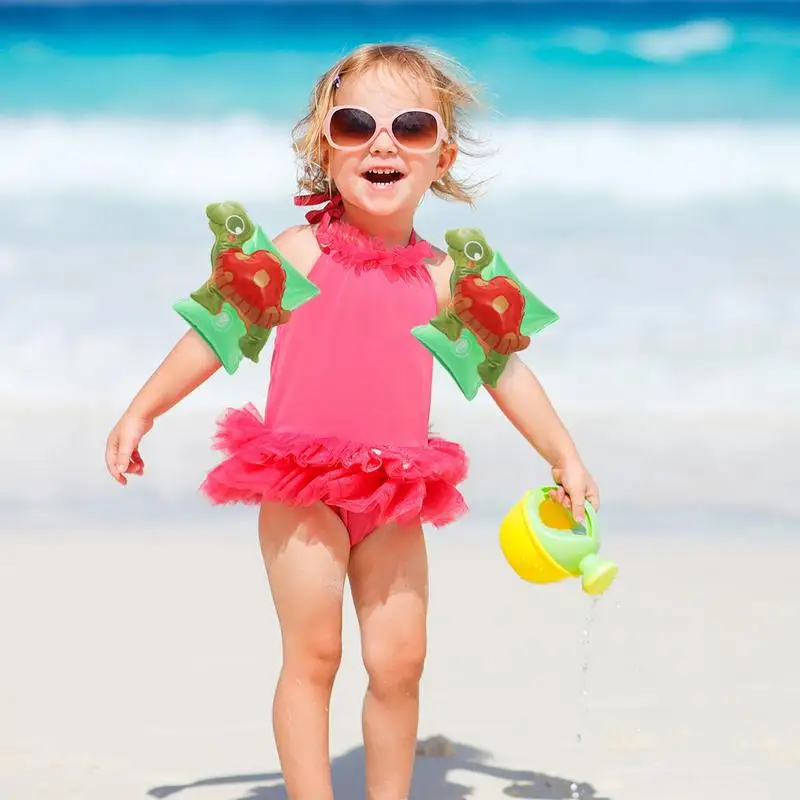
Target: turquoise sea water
645,164
647,61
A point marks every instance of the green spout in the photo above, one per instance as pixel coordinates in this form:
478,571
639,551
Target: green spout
597,574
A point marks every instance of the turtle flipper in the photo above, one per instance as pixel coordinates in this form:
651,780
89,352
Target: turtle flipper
448,323
252,343
209,297
491,368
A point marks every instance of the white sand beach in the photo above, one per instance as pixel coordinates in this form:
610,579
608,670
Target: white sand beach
140,663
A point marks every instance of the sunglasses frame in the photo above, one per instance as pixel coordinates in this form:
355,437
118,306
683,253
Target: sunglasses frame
384,124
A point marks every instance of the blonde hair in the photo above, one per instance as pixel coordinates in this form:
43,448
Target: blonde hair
455,93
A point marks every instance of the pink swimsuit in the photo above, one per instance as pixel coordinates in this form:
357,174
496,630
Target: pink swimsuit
349,399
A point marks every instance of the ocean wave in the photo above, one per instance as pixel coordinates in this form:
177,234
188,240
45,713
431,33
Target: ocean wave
699,37
188,161
671,45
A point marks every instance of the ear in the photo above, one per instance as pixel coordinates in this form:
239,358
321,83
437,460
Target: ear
447,157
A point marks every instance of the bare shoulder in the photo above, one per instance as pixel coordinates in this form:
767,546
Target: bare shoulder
441,266
299,246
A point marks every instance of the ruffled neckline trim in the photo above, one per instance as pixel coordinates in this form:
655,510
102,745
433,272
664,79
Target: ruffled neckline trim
350,246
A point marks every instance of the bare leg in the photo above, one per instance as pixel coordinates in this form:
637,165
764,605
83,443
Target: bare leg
389,581
306,554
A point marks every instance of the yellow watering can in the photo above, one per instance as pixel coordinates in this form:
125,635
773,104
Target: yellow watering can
543,543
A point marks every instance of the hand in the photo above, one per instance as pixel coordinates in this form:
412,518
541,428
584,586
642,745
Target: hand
122,447
575,487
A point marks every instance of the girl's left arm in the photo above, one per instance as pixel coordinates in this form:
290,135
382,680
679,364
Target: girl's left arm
521,398
523,401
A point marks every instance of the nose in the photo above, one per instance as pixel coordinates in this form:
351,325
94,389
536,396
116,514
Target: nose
383,143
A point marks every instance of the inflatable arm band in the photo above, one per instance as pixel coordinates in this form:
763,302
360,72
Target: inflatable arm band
252,288
492,314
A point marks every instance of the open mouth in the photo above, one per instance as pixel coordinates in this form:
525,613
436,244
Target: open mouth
383,177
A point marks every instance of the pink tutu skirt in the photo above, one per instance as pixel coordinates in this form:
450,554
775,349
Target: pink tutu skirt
395,484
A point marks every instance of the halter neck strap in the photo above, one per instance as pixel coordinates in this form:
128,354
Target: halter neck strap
333,209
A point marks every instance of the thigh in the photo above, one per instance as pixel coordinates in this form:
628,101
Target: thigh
388,574
306,553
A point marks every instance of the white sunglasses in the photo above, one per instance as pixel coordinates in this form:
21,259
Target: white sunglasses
418,130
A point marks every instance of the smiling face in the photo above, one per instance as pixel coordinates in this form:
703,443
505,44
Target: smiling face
381,178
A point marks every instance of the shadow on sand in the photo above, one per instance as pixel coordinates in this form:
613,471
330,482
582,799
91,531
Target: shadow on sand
431,778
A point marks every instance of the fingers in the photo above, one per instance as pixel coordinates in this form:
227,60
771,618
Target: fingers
559,494
593,495
136,467
576,501
558,477
122,448
112,457
127,445
123,461
122,456
574,497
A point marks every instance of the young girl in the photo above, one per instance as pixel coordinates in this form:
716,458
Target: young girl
343,465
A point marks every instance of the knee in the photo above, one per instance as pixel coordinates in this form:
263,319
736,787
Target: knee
314,659
395,664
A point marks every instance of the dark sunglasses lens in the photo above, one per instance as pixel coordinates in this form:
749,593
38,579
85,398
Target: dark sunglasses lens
351,127
416,129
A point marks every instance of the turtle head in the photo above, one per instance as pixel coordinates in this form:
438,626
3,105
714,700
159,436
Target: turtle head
229,223
468,244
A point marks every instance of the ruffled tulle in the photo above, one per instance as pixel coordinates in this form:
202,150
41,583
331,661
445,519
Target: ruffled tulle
401,484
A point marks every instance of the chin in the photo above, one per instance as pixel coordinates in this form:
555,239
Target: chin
385,208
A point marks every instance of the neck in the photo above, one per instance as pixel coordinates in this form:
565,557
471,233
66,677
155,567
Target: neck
394,231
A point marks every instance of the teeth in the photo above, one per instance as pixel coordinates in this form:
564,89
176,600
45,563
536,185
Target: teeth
373,177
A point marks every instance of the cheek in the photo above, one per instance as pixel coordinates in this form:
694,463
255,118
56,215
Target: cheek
423,169
344,165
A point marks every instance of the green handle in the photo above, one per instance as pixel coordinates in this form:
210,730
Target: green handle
588,507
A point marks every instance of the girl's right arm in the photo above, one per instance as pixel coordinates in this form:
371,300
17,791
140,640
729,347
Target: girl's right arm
190,363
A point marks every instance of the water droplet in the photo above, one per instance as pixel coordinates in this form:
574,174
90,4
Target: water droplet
584,681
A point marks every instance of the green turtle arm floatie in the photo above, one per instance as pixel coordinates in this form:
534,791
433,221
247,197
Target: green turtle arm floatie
252,288
491,314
